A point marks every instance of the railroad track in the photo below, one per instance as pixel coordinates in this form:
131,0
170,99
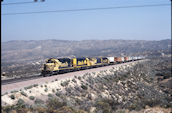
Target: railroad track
10,81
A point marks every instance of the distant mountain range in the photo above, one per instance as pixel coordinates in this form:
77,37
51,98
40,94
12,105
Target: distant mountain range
25,51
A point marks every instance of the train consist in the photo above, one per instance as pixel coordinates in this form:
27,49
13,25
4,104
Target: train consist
60,65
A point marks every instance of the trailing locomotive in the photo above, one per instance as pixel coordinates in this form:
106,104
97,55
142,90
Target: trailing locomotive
55,66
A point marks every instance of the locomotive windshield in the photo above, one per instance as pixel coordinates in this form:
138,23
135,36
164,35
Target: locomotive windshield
49,61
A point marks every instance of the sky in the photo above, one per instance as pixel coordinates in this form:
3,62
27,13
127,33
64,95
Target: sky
144,23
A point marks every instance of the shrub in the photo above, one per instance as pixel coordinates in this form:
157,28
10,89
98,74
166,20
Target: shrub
14,91
53,90
54,103
31,97
39,101
50,95
84,87
45,85
57,89
58,94
35,85
104,106
65,83
79,78
74,80
20,104
12,97
24,94
46,89
5,93
20,101
56,79
28,87
93,73
41,85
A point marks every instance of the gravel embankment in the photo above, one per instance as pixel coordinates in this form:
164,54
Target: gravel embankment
20,85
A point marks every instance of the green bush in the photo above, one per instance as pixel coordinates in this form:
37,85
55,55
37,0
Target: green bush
74,80
24,94
39,101
53,90
31,97
50,95
20,104
103,106
20,101
54,103
58,94
79,78
12,97
84,87
65,83
46,89
14,91
35,85
28,87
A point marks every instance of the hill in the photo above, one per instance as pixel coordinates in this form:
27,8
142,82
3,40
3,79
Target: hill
24,51
27,57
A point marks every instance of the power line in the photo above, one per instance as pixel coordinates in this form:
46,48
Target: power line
20,3
86,9
17,3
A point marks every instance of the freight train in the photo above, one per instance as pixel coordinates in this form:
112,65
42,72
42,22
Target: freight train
55,66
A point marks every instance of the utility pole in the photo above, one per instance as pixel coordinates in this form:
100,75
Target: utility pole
171,21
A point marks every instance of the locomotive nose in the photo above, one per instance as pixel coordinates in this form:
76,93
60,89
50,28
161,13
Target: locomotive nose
49,67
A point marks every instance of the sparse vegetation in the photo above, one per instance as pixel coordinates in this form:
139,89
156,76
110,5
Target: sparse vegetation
54,103
84,87
35,85
12,96
23,93
73,80
131,88
53,90
14,91
28,87
79,77
50,95
65,83
39,101
46,89
31,97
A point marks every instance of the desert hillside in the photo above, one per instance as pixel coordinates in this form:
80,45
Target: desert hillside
139,87
24,51
26,57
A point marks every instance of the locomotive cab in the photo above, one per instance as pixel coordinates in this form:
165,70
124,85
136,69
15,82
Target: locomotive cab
52,65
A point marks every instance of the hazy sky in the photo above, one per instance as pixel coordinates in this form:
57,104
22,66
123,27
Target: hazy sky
146,23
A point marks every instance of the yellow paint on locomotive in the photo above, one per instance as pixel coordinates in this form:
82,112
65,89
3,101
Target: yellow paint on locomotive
74,62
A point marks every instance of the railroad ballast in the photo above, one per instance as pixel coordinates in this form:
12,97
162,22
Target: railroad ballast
60,65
